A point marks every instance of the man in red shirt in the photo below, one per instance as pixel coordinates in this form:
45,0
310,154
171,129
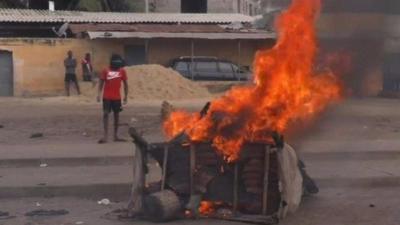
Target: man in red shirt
110,85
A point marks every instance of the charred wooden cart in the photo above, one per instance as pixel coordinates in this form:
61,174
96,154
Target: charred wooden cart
198,182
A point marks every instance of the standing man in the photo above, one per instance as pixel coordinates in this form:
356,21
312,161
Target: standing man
70,73
87,68
110,85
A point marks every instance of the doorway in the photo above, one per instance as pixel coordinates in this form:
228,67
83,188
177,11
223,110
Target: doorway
135,55
391,72
6,74
194,6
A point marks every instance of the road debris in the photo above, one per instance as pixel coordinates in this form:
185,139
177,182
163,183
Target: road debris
6,216
104,201
43,212
37,135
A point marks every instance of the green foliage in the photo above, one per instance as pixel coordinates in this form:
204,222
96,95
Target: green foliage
89,5
127,5
114,5
9,4
3,4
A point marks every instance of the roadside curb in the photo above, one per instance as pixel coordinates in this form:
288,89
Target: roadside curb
66,161
121,191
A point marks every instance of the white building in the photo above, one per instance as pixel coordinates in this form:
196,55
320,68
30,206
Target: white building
248,7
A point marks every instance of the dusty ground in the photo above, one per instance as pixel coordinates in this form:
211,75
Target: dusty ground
63,119
353,151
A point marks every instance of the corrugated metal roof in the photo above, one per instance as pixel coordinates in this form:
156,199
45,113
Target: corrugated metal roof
166,28
46,16
210,36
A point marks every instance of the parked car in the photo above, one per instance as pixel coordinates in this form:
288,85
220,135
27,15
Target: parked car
209,68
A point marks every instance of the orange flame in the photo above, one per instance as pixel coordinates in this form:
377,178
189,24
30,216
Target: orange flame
285,89
206,208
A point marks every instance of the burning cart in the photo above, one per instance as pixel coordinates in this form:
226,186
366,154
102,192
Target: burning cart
260,187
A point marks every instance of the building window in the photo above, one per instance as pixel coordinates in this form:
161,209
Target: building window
194,6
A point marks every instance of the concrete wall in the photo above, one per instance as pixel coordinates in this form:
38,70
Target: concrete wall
161,52
248,7
165,6
39,69
222,6
214,6
38,63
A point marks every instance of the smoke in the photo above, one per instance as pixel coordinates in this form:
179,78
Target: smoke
365,31
362,6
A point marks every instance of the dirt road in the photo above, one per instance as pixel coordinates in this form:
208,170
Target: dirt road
63,119
353,151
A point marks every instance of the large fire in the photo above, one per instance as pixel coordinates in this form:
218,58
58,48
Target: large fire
286,88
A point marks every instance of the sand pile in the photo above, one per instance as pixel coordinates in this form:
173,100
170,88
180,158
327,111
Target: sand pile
156,82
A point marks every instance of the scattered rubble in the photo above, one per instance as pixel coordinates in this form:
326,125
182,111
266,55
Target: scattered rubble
104,201
42,212
37,135
6,216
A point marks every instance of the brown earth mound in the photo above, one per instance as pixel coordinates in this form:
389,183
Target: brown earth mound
156,82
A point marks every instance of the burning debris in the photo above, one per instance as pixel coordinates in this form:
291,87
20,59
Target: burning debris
286,88
264,184
261,186
230,161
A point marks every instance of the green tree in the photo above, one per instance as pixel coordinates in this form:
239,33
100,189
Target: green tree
84,5
126,5
110,5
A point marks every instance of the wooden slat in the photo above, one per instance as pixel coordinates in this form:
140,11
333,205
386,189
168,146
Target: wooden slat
250,219
164,169
192,168
266,181
235,188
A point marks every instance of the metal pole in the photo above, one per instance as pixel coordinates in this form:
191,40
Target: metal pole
192,58
146,6
235,187
266,181
269,6
239,57
165,163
